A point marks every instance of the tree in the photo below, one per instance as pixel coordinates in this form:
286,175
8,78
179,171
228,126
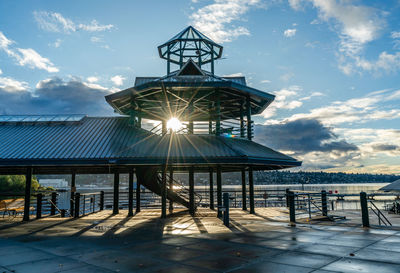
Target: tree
16,183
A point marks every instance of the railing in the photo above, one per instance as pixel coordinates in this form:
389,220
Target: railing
87,203
381,217
229,127
309,203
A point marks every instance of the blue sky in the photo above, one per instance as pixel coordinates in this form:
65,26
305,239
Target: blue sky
333,66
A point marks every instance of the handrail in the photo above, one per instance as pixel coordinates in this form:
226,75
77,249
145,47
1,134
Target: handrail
379,213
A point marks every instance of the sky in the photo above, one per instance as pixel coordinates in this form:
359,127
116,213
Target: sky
333,66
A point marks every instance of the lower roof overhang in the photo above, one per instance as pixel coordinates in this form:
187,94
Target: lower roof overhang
124,165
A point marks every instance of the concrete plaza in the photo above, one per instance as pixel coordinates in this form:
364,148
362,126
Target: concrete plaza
102,242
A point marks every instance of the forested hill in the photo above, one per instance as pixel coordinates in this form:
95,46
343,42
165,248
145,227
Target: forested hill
260,178
287,177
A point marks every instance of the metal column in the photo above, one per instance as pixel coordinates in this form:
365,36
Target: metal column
73,190
248,113
137,195
211,189
219,191
244,198
171,188
364,209
191,190
218,115
28,184
251,190
116,193
130,193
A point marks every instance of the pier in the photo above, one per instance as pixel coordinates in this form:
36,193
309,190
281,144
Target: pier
261,242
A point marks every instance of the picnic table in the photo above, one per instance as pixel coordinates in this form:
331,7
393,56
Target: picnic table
13,206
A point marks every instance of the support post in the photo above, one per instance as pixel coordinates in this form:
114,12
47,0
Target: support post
190,118
164,191
244,198
163,127
77,204
171,188
364,209
226,207
27,202
218,115
292,209
116,193
242,127
130,193
287,197
73,190
39,198
101,200
212,59
251,190
191,190
248,113
137,195
53,203
324,203
219,190
211,189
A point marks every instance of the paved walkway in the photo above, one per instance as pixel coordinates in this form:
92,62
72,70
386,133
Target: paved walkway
102,242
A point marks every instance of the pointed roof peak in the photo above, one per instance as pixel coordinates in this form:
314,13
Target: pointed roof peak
190,43
190,68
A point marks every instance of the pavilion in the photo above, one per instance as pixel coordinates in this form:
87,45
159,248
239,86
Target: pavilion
189,120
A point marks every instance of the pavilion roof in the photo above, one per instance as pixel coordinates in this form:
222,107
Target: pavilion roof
104,141
149,95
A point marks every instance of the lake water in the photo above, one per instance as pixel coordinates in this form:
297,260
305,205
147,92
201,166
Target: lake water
351,202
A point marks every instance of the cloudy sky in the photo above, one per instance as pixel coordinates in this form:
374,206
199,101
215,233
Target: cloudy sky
333,65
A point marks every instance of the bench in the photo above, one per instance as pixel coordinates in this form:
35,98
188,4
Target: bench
13,206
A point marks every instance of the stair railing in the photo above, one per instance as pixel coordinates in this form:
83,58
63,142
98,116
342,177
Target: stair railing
180,189
381,217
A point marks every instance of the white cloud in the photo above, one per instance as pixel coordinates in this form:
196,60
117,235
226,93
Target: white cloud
56,44
55,22
215,20
356,25
92,79
286,77
1,72
94,26
239,74
395,34
356,110
386,61
11,85
284,99
314,94
95,39
265,81
32,59
290,32
26,56
295,4
118,80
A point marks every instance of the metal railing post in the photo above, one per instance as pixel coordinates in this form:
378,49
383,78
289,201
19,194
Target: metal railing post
101,200
309,206
287,198
53,203
292,209
226,206
39,198
324,203
364,209
77,204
